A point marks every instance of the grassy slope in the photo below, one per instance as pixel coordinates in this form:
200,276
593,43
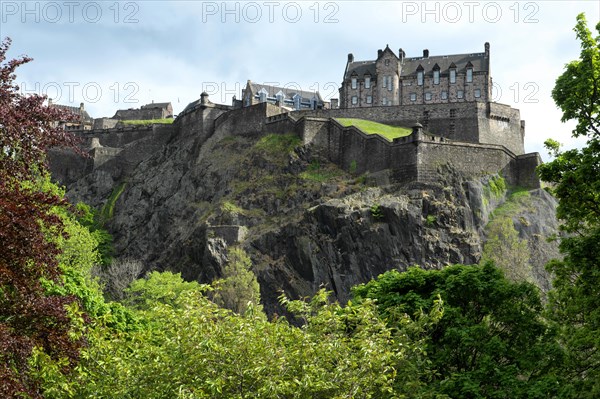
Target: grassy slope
370,127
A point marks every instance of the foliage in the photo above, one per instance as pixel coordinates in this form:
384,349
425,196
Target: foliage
430,220
278,143
491,341
574,175
370,127
108,209
505,249
166,121
90,218
318,173
496,186
239,289
191,348
376,212
29,318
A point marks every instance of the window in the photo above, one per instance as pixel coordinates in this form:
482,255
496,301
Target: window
354,100
469,75
369,99
453,76
444,95
367,82
477,93
427,96
413,96
390,83
387,62
384,82
354,83
460,94
420,78
436,77
262,96
452,113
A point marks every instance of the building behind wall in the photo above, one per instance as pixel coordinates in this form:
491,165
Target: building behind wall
393,79
84,121
289,97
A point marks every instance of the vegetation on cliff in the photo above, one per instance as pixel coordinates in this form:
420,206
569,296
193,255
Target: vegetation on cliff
460,332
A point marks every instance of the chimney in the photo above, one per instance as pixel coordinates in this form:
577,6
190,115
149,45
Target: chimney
350,58
379,53
49,102
401,55
81,107
425,53
487,49
204,98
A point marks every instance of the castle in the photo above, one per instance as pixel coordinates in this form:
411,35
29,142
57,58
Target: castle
449,97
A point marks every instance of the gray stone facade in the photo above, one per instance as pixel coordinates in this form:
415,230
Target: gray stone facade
146,112
392,79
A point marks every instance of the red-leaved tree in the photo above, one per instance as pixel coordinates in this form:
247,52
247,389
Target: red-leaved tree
29,317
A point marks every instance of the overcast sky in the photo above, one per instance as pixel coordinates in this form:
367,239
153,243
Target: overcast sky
113,55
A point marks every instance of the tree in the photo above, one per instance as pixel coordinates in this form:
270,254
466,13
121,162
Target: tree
29,317
188,347
239,286
575,176
491,341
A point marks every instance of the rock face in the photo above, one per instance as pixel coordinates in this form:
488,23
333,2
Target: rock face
304,222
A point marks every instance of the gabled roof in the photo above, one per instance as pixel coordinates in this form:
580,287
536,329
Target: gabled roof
85,117
156,105
477,61
361,68
289,93
409,65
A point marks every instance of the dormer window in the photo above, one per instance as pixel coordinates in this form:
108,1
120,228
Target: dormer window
262,95
436,75
469,75
420,76
354,82
453,75
367,82
280,97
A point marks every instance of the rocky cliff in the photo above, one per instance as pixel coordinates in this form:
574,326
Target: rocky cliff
304,222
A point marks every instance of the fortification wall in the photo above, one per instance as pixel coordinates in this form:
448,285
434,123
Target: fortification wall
471,122
200,121
502,125
247,120
416,157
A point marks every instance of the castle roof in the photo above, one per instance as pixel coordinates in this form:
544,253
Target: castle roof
288,92
83,114
156,105
409,66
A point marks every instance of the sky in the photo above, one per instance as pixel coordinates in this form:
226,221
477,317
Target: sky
114,55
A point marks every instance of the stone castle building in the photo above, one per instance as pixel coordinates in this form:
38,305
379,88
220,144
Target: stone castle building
289,97
84,122
392,79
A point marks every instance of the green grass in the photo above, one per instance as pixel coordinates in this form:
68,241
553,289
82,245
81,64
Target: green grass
107,210
278,143
370,127
149,121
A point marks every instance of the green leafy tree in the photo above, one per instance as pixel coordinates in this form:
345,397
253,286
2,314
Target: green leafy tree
575,179
188,347
239,286
491,341
29,317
